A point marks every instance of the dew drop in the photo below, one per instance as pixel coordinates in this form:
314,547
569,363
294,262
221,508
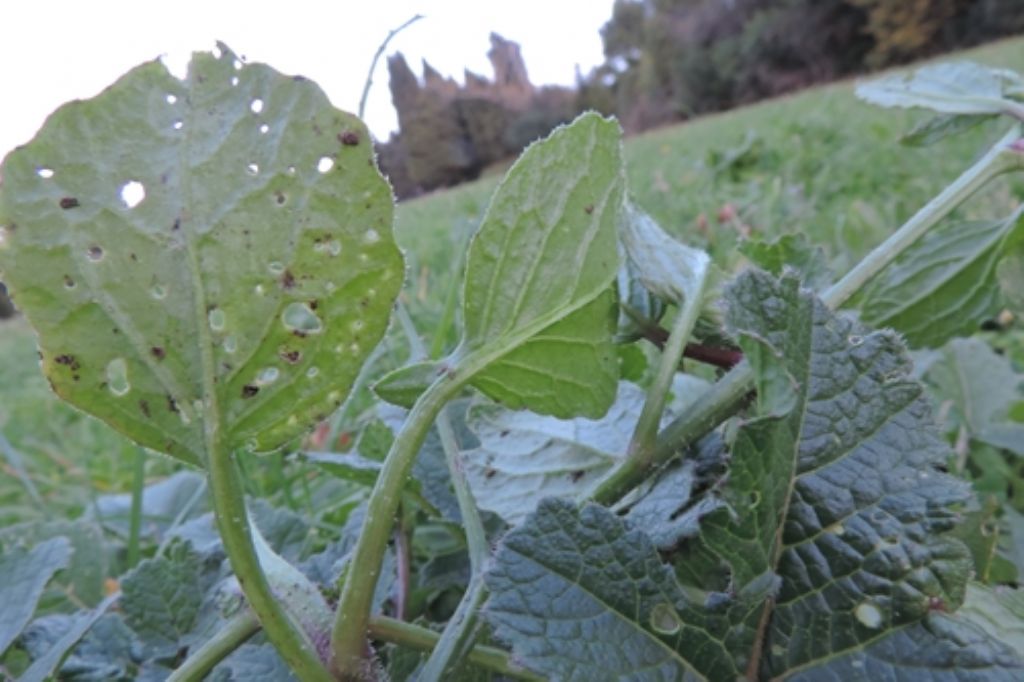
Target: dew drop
371,236
158,292
256,106
267,375
264,129
325,164
869,615
275,267
230,344
253,168
299,317
218,320
665,620
44,172
117,377
312,372
132,193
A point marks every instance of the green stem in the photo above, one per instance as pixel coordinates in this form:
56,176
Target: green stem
233,522
461,629
641,445
348,638
376,58
726,397
234,633
135,519
415,637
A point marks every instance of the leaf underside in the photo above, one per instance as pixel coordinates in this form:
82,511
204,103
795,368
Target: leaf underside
831,543
257,270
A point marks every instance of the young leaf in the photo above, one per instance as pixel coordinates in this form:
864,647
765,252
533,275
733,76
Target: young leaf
982,386
949,88
945,285
790,250
211,255
25,574
665,266
539,304
940,127
404,385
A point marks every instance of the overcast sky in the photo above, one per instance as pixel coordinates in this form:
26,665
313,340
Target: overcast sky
55,50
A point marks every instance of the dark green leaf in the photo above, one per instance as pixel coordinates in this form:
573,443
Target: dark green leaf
790,250
161,600
46,664
252,662
945,285
87,569
940,127
248,284
23,575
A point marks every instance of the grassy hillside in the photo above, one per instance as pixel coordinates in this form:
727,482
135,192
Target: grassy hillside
818,162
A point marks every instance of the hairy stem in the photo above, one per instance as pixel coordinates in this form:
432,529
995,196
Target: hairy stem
234,633
415,637
727,396
233,522
376,58
641,445
348,638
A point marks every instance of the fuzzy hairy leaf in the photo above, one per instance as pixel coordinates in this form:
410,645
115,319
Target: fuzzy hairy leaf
216,249
940,127
836,509
949,88
793,251
665,266
946,284
161,601
999,611
539,302
982,386
24,575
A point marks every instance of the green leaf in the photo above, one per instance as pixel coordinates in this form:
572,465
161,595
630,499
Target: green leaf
44,666
524,457
790,250
665,267
252,662
950,88
539,302
981,386
346,466
161,600
405,385
1010,273
25,574
984,534
241,294
87,569
837,505
940,127
999,611
945,285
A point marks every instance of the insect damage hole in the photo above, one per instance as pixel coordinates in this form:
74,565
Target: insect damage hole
132,193
256,106
170,99
44,172
325,164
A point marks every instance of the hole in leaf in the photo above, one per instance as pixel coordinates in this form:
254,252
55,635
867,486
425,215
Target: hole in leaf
256,106
325,164
132,193
218,320
216,52
264,129
290,170
95,254
234,81
44,172
855,340
158,292
69,283
300,318
253,168
117,377
237,64
171,99
178,125
3,237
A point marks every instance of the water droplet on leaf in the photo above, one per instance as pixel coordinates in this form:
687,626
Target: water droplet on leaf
299,317
117,377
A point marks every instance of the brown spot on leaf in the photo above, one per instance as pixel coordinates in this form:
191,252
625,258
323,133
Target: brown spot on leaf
290,356
349,138
489,473
576,475
249,390
69,202
144,406
177,225
287,279
68,282
172,405
589,208
314,304
68,361
158,352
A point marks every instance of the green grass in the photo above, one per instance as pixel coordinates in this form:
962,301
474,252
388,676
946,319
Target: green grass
818,162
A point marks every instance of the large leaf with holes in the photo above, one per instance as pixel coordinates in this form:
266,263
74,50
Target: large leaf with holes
946,284
205,254
539,305
830,542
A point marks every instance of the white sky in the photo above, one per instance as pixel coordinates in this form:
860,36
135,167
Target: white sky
52,51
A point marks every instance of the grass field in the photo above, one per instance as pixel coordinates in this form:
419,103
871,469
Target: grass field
818,162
